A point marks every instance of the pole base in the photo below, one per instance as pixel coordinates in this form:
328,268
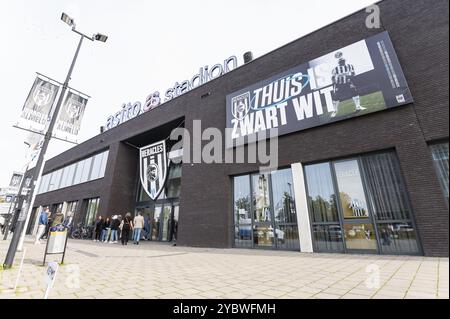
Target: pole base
6,267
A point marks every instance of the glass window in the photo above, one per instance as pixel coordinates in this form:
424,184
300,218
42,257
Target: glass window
173,183
55,179
43,186
242,199
252,205
78,171
360,236
96,166
283,196
351,191
91,210
65,172
386,190
104,162
70,174
321,196
328,237
261,199
86,170
440,158
397,237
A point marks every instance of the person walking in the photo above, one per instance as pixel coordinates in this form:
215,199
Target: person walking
126,227
115,223
147,227
138,225
59,218
42,224
106,230
98,227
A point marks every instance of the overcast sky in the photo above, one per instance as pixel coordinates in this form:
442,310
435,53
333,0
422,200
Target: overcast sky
151,45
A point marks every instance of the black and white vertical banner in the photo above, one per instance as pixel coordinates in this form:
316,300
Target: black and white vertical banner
70,116
37,107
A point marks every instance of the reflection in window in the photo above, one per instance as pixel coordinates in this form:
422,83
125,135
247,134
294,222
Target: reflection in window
328,237
91,210
283,197
351,191
397,237
261,200
440,158
255,196
322,200
360,236
242,200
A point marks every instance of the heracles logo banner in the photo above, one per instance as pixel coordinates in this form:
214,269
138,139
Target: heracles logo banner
358,79
70,116
153,168
36,110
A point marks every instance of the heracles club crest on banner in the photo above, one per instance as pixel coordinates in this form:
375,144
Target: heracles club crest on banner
240,105
153,168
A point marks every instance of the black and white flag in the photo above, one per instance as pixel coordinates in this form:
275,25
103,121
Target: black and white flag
153,168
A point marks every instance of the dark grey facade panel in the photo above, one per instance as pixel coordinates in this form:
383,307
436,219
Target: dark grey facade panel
419,32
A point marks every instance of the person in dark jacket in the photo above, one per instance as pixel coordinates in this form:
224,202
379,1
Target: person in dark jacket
127,227
115,223
106,230
98,227
58,218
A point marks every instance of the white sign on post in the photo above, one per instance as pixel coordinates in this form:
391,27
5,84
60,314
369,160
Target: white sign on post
50,276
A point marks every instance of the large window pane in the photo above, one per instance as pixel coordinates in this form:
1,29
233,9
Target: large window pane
287,237
104,162
360,236
397,238
65,172
91,210
263,235
86,170
261,199
440,158
283,196
321,196
328,237
351,191
242,199
96,166
70,174
386,190
78,172
243,236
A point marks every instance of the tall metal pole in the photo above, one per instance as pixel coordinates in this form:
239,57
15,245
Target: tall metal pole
38,169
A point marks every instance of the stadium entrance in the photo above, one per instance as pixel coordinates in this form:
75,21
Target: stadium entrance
161,215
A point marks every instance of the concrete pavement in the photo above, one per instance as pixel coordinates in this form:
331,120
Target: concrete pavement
157,270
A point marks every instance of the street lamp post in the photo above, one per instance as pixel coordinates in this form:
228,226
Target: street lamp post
40,162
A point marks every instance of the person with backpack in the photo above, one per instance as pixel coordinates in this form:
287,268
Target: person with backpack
98,227
126,226
115,223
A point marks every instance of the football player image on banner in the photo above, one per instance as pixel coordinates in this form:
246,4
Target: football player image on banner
358,79
70,116
153,168
36,110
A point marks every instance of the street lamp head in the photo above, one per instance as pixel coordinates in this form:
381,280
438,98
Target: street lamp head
100,37
68,20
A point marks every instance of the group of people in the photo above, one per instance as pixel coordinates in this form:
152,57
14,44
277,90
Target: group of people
45,222
107,230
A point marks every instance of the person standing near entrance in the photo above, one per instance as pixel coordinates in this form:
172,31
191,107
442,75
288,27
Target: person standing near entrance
59,218
98,228
106,230
115,223
126,226
42,225
138,225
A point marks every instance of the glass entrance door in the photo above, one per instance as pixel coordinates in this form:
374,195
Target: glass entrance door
358,227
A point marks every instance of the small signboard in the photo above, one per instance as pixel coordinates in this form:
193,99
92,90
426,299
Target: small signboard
50,276
56,244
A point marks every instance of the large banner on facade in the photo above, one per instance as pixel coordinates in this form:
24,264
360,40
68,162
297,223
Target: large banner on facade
15,180
355,80
36,111
70,116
